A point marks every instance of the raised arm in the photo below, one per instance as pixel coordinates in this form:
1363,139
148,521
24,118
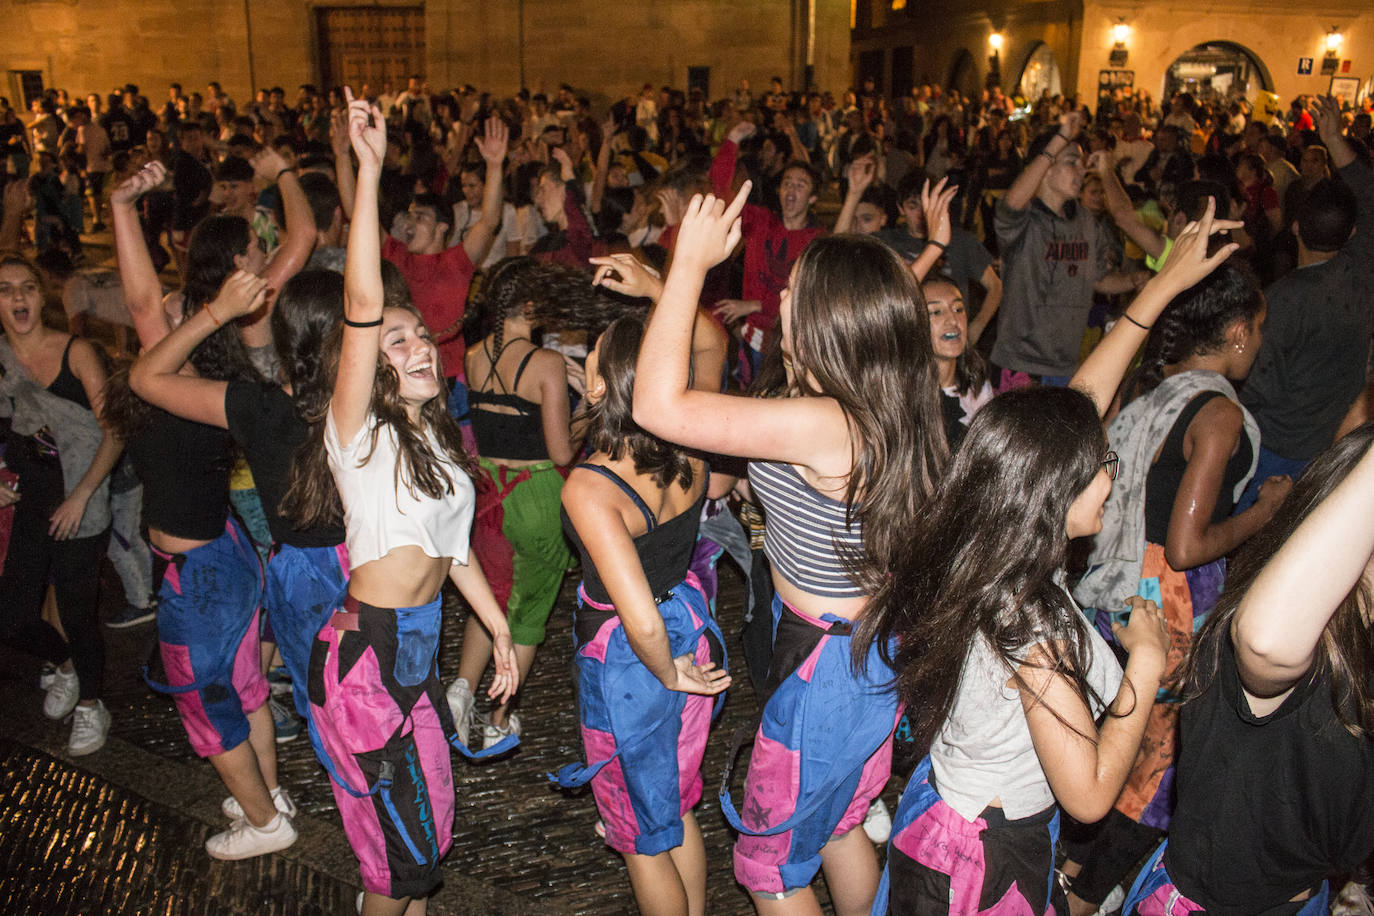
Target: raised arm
1023,189
991,302
343,160
860,175
806,431
939,229
592,504
1103,370
362,276
1329,128
157,375
142,289
1123,213
602,167
1285,611
477,243
295,249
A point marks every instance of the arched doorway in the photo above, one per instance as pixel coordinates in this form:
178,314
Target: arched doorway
1040,74
963,75
1215,71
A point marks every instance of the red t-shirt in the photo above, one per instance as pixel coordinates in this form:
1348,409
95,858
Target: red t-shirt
770,249
439,288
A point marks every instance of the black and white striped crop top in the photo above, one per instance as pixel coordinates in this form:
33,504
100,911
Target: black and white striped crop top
802,529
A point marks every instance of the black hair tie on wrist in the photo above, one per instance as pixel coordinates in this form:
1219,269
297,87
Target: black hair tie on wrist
364,324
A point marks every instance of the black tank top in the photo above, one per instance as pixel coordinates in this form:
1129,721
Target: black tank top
515,436
184,467
665,550
34,458
1166,474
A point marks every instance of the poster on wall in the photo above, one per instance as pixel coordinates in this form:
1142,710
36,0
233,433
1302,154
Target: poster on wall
1345,89
1109,83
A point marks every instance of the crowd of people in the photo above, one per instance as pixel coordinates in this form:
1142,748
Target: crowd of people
1045,461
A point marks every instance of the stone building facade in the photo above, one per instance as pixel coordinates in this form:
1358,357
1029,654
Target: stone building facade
1078,45
95,45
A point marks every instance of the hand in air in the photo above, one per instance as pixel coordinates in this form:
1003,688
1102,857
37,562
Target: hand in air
1188,262
627,275
506,676
860,174
268,164
710,230
139,183
1070,123
493,144
935,205
338,131
366,131
242,294
1328,117
703,680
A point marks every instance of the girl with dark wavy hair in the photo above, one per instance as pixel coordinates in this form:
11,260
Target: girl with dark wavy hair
649,655
1188,449
1275,781
841,467
210,575
309,566
405,483
1002,676
518,399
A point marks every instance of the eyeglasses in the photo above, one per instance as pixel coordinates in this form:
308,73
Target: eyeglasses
1112,463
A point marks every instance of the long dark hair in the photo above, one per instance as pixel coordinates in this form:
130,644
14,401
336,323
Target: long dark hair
985,554
214,244
1196,321
1345,652
308,502
861,335
610,421
305,328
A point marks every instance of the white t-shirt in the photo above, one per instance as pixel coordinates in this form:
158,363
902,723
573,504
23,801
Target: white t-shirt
98,294
380,516
984,749
464,218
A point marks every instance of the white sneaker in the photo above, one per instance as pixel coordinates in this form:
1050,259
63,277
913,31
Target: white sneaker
90,726
46,675
878,822
63,693
244,841
492,734
233,810
460,702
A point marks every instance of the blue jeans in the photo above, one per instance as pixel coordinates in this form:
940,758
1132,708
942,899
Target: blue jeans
1270,465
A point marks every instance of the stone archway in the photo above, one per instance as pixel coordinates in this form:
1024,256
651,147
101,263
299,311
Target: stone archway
1038,74
1216,70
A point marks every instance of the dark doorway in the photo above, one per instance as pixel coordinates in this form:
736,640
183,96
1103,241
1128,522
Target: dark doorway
903,67
371,45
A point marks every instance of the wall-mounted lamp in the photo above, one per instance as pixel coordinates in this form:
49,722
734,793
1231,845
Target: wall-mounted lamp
995,60
995,42
1333,41
1120,32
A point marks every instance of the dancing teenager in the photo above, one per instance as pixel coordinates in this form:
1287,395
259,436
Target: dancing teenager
1002,675
405,488
841,467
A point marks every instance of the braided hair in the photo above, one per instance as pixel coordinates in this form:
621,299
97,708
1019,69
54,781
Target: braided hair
1196,322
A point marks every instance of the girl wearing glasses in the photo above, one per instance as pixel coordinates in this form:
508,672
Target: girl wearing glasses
1189,449
1001,674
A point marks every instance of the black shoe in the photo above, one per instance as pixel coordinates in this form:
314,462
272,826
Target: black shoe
131,616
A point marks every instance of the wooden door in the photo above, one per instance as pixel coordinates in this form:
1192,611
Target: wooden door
371,45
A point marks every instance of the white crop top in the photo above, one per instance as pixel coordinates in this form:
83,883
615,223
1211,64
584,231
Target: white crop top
379,516
984,749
